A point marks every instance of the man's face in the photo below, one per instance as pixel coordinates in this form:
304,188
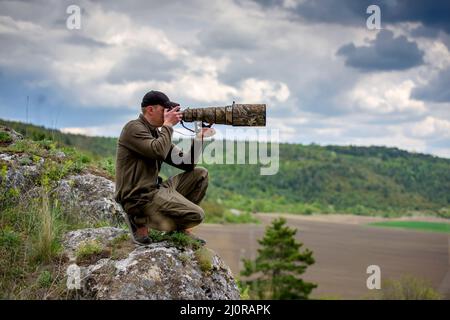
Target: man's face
156,115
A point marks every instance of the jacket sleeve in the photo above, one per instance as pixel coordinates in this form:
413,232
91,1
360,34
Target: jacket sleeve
189,160
139,140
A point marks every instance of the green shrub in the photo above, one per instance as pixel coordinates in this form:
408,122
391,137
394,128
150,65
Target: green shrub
244,290
9,239
10,245
109,166
5,137
408,288
178,239
243,217
45,279
46,144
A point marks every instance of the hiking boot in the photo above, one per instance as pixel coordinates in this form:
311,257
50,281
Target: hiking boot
139,235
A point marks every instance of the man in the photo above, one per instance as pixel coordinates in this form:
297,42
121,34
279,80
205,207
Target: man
171,205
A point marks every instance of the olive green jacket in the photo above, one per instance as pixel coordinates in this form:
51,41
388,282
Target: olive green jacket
141,149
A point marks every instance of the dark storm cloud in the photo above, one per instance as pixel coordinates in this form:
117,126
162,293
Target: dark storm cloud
437,90
383,54
433,14
49,106
143,65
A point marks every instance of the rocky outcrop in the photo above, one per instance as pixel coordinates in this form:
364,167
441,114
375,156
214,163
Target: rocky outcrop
157,271
21,172
102,263
91,197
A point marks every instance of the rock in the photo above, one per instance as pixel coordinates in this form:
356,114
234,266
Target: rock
13,135
105,235
86,197
156,271
21,172
91,197
60,155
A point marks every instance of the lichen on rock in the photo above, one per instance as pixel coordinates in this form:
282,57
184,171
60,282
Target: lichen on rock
86,197
156,271
91,196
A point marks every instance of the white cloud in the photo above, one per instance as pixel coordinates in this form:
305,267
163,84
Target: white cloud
254,91
436,53
105,130
286,63
431,127
379,96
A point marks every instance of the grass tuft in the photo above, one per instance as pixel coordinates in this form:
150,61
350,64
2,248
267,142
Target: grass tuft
88,249
204,258
45,279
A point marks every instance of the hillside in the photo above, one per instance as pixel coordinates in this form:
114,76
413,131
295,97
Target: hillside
62,236
311,178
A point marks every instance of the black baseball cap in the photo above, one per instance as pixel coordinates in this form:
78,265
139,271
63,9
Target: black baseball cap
153,98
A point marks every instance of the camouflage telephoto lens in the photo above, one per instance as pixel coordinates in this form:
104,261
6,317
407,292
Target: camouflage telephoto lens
237,115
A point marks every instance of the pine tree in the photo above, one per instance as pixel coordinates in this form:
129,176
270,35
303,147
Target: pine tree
274,274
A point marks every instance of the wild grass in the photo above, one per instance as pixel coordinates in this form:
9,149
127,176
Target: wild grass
29,240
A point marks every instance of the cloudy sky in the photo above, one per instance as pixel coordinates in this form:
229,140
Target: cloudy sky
325,77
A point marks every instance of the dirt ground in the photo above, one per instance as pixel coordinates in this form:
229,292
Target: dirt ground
343,248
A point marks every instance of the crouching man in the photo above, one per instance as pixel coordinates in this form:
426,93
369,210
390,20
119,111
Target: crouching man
149,202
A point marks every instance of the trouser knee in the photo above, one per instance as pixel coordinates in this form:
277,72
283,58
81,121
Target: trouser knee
191,219
201,174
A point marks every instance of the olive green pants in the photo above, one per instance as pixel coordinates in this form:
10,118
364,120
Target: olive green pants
175,204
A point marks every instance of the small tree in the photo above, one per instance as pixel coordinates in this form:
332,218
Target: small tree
275,272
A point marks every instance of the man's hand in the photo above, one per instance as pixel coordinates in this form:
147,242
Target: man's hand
172,117
205,133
